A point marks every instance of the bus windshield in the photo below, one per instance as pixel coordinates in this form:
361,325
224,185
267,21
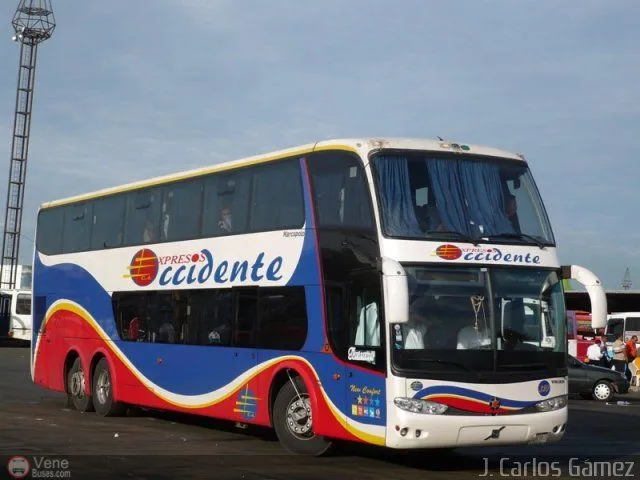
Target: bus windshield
437,196
482,319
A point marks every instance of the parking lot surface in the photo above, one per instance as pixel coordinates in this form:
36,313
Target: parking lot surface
35,424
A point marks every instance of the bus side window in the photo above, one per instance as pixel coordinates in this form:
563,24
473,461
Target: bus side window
226,203
128,310
247,317
143,217
283,318
210,317
181,207
49,231
77,228
340,193
108,222
23,304
277,201
163,321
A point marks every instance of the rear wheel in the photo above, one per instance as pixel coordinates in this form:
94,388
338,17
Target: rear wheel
103,391
293,420
603,391
76,388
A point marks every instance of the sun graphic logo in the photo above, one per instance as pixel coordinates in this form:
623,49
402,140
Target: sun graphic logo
448,252
18,467
246,404
143,268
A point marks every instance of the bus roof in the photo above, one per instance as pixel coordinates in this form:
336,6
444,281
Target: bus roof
358,145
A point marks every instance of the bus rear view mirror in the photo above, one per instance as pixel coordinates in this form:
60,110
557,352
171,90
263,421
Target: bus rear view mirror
396,291
597,295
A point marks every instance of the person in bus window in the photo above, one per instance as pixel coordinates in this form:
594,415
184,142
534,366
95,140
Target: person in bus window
148,234
166,333
511,211
134,329
414,333
225,224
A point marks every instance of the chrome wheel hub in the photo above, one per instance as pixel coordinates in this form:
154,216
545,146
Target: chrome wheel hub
299,418
103,387
77,384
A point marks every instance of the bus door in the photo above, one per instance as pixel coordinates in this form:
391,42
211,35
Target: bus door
365,380
5,314
22,318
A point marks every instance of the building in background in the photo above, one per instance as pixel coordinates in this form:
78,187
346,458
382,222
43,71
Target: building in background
23,277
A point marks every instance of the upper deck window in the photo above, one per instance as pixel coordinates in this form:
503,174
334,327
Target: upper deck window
435,195
340,192
77,228
49,232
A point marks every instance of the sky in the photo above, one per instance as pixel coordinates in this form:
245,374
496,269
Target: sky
130,90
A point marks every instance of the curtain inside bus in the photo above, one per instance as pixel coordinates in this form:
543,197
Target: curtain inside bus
397,202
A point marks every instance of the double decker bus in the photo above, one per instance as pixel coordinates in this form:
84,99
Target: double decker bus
397,292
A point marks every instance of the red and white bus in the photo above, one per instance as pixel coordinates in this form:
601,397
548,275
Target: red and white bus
397,292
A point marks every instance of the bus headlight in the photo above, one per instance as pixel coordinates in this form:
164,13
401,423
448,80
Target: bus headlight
417,405
555,403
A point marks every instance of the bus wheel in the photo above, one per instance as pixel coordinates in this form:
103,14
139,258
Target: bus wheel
103,391
293,420
76,380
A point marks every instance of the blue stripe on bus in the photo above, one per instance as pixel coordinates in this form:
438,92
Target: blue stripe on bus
470,394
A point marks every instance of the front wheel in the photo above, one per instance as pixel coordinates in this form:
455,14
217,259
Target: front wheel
293,420
76,388
603,391
103,391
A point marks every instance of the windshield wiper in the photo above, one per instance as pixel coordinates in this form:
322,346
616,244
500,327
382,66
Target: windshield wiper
521,236
460,235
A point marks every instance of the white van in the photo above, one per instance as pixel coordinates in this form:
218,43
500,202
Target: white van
15,315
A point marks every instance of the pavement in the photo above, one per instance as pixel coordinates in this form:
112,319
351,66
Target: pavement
35,423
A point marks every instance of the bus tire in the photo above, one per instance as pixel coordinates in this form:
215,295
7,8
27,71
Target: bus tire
103,400
293,421
76,391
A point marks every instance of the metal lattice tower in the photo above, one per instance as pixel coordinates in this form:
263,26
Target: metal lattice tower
33,23
626,280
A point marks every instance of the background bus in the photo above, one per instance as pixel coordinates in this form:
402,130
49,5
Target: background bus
626,324
365,290
15,315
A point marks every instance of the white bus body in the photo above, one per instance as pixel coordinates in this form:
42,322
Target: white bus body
15,315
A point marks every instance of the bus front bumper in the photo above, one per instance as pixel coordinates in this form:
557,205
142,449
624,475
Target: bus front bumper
414,430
